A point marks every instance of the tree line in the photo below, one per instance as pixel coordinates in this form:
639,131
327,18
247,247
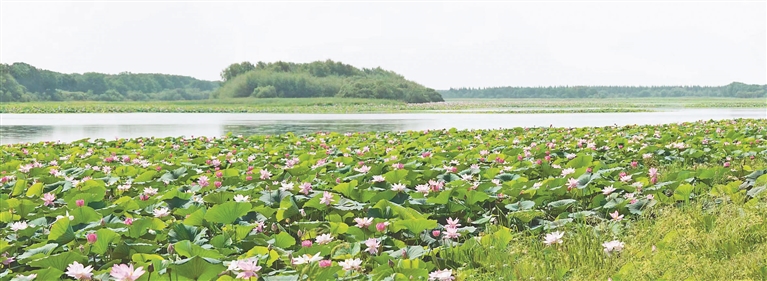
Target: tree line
733,90
319,79
21,82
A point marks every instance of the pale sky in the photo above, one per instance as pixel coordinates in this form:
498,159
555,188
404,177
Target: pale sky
437,44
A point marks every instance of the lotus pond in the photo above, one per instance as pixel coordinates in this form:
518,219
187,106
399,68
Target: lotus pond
355,206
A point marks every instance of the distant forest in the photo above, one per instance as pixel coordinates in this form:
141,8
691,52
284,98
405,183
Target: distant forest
23,82
733,90
319,79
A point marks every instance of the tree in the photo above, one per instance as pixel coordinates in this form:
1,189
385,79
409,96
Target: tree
236,69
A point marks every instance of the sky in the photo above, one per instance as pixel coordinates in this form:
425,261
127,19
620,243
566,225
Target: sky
438,44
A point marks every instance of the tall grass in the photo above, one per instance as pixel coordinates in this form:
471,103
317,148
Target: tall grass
704,240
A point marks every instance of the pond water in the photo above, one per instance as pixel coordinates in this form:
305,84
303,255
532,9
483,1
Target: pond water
15,128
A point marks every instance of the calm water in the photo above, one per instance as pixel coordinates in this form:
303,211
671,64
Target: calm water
16,128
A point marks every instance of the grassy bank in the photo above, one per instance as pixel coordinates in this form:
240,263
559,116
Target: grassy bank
347,105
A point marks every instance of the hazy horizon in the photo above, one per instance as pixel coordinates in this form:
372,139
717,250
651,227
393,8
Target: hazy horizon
439,45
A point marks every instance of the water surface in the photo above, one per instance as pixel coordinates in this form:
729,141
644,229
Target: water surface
15,128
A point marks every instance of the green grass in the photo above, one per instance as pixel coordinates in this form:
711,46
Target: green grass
696,241
349,105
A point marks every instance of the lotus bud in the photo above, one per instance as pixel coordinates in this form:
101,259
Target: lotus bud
391,263
150,268
299,233
82,248
81,202
303,213
171,249
274,227
91,237
435,233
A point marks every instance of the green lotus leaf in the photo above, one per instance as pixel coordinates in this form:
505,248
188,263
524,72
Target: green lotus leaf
61,231
59,261
198,268
228,212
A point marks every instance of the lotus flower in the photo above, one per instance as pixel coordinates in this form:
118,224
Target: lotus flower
442,275
248,269
452,233
612,246
324,239
241,198
48,199
363,222
364,169
161,212
91,237
123,272
607,190
350,264
398,187
19,225
327,198
372,245
554,237
79,272
305,258
616,216
453,223
265,175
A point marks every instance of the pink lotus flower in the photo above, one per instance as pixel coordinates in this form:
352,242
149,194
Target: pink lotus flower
452,233
217,184
48,199
91,237
435,233
123,272
325,263
364,169
613,246
306,243
652,172
219,174
442,275
378,178
554,237
451,223
426,154
128,221
79,272
306,188
265,175
616,216
398,166
80,202
372,245
381,226
203,181
726,164
327,198
572,183
363,222
248,269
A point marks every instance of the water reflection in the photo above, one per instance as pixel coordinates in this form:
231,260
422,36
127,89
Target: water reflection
16,128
